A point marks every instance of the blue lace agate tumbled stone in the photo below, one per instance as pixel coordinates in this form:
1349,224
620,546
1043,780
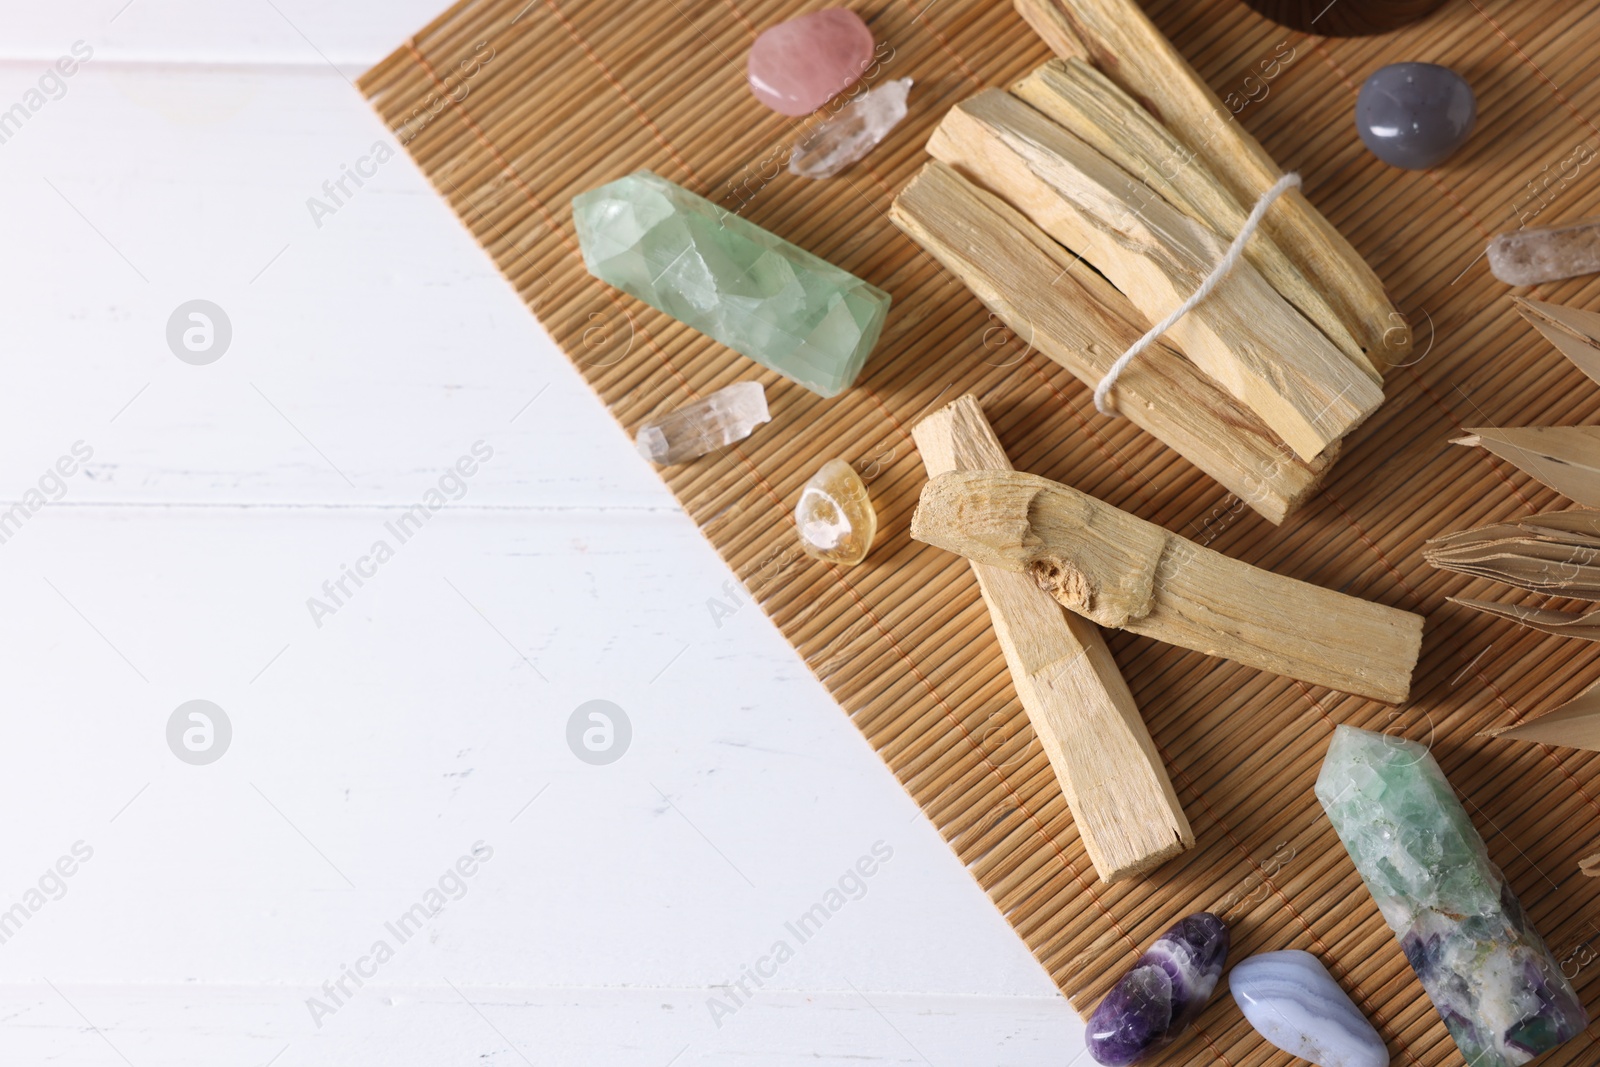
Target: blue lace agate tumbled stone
1164,992
1415,115
1293,1002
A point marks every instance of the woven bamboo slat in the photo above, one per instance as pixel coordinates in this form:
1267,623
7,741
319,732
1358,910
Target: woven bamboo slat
511,107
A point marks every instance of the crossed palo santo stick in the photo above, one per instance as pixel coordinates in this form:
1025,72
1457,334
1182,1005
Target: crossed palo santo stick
1123,572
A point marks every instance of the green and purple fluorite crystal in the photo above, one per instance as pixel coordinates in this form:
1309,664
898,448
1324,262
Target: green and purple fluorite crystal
708,268
1488,972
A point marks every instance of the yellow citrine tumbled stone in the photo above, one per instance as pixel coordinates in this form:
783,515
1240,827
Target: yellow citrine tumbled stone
834,518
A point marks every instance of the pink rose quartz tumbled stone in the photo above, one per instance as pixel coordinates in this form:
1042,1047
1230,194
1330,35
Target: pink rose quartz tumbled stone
797,66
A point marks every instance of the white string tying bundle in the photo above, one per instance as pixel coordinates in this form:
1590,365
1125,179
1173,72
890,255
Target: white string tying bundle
1223,268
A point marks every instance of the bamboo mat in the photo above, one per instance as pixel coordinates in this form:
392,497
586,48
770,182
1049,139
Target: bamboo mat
512,107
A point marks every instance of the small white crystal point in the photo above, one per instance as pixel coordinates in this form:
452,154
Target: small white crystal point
1546,254
856,130
714,421
652,444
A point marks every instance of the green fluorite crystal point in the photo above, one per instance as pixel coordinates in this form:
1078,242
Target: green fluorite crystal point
1489,973
728,278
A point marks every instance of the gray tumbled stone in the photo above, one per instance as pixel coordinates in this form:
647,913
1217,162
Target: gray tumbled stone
1415,115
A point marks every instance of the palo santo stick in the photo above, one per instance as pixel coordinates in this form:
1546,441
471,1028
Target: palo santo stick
1244,335
1077,318
1121,571
1119,38
1111,122
1076,698
1575,332
1566,458
1575,724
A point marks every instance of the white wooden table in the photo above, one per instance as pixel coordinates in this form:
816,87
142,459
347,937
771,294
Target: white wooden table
376,740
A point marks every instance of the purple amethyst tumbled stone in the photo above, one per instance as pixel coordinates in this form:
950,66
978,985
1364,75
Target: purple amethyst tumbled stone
1164,992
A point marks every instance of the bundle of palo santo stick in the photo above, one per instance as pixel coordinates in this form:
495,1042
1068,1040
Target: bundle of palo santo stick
1094,198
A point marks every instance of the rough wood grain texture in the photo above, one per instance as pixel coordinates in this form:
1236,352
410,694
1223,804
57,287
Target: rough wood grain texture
1575,332
1077,700
1566,458
1245,336
1119,38
1576,724
1074,316
578,94
1122,571
1095,109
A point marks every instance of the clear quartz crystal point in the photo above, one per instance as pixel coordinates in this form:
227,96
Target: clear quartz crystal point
857,129
714,421
835,518
1501,992
1547,254
735,282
